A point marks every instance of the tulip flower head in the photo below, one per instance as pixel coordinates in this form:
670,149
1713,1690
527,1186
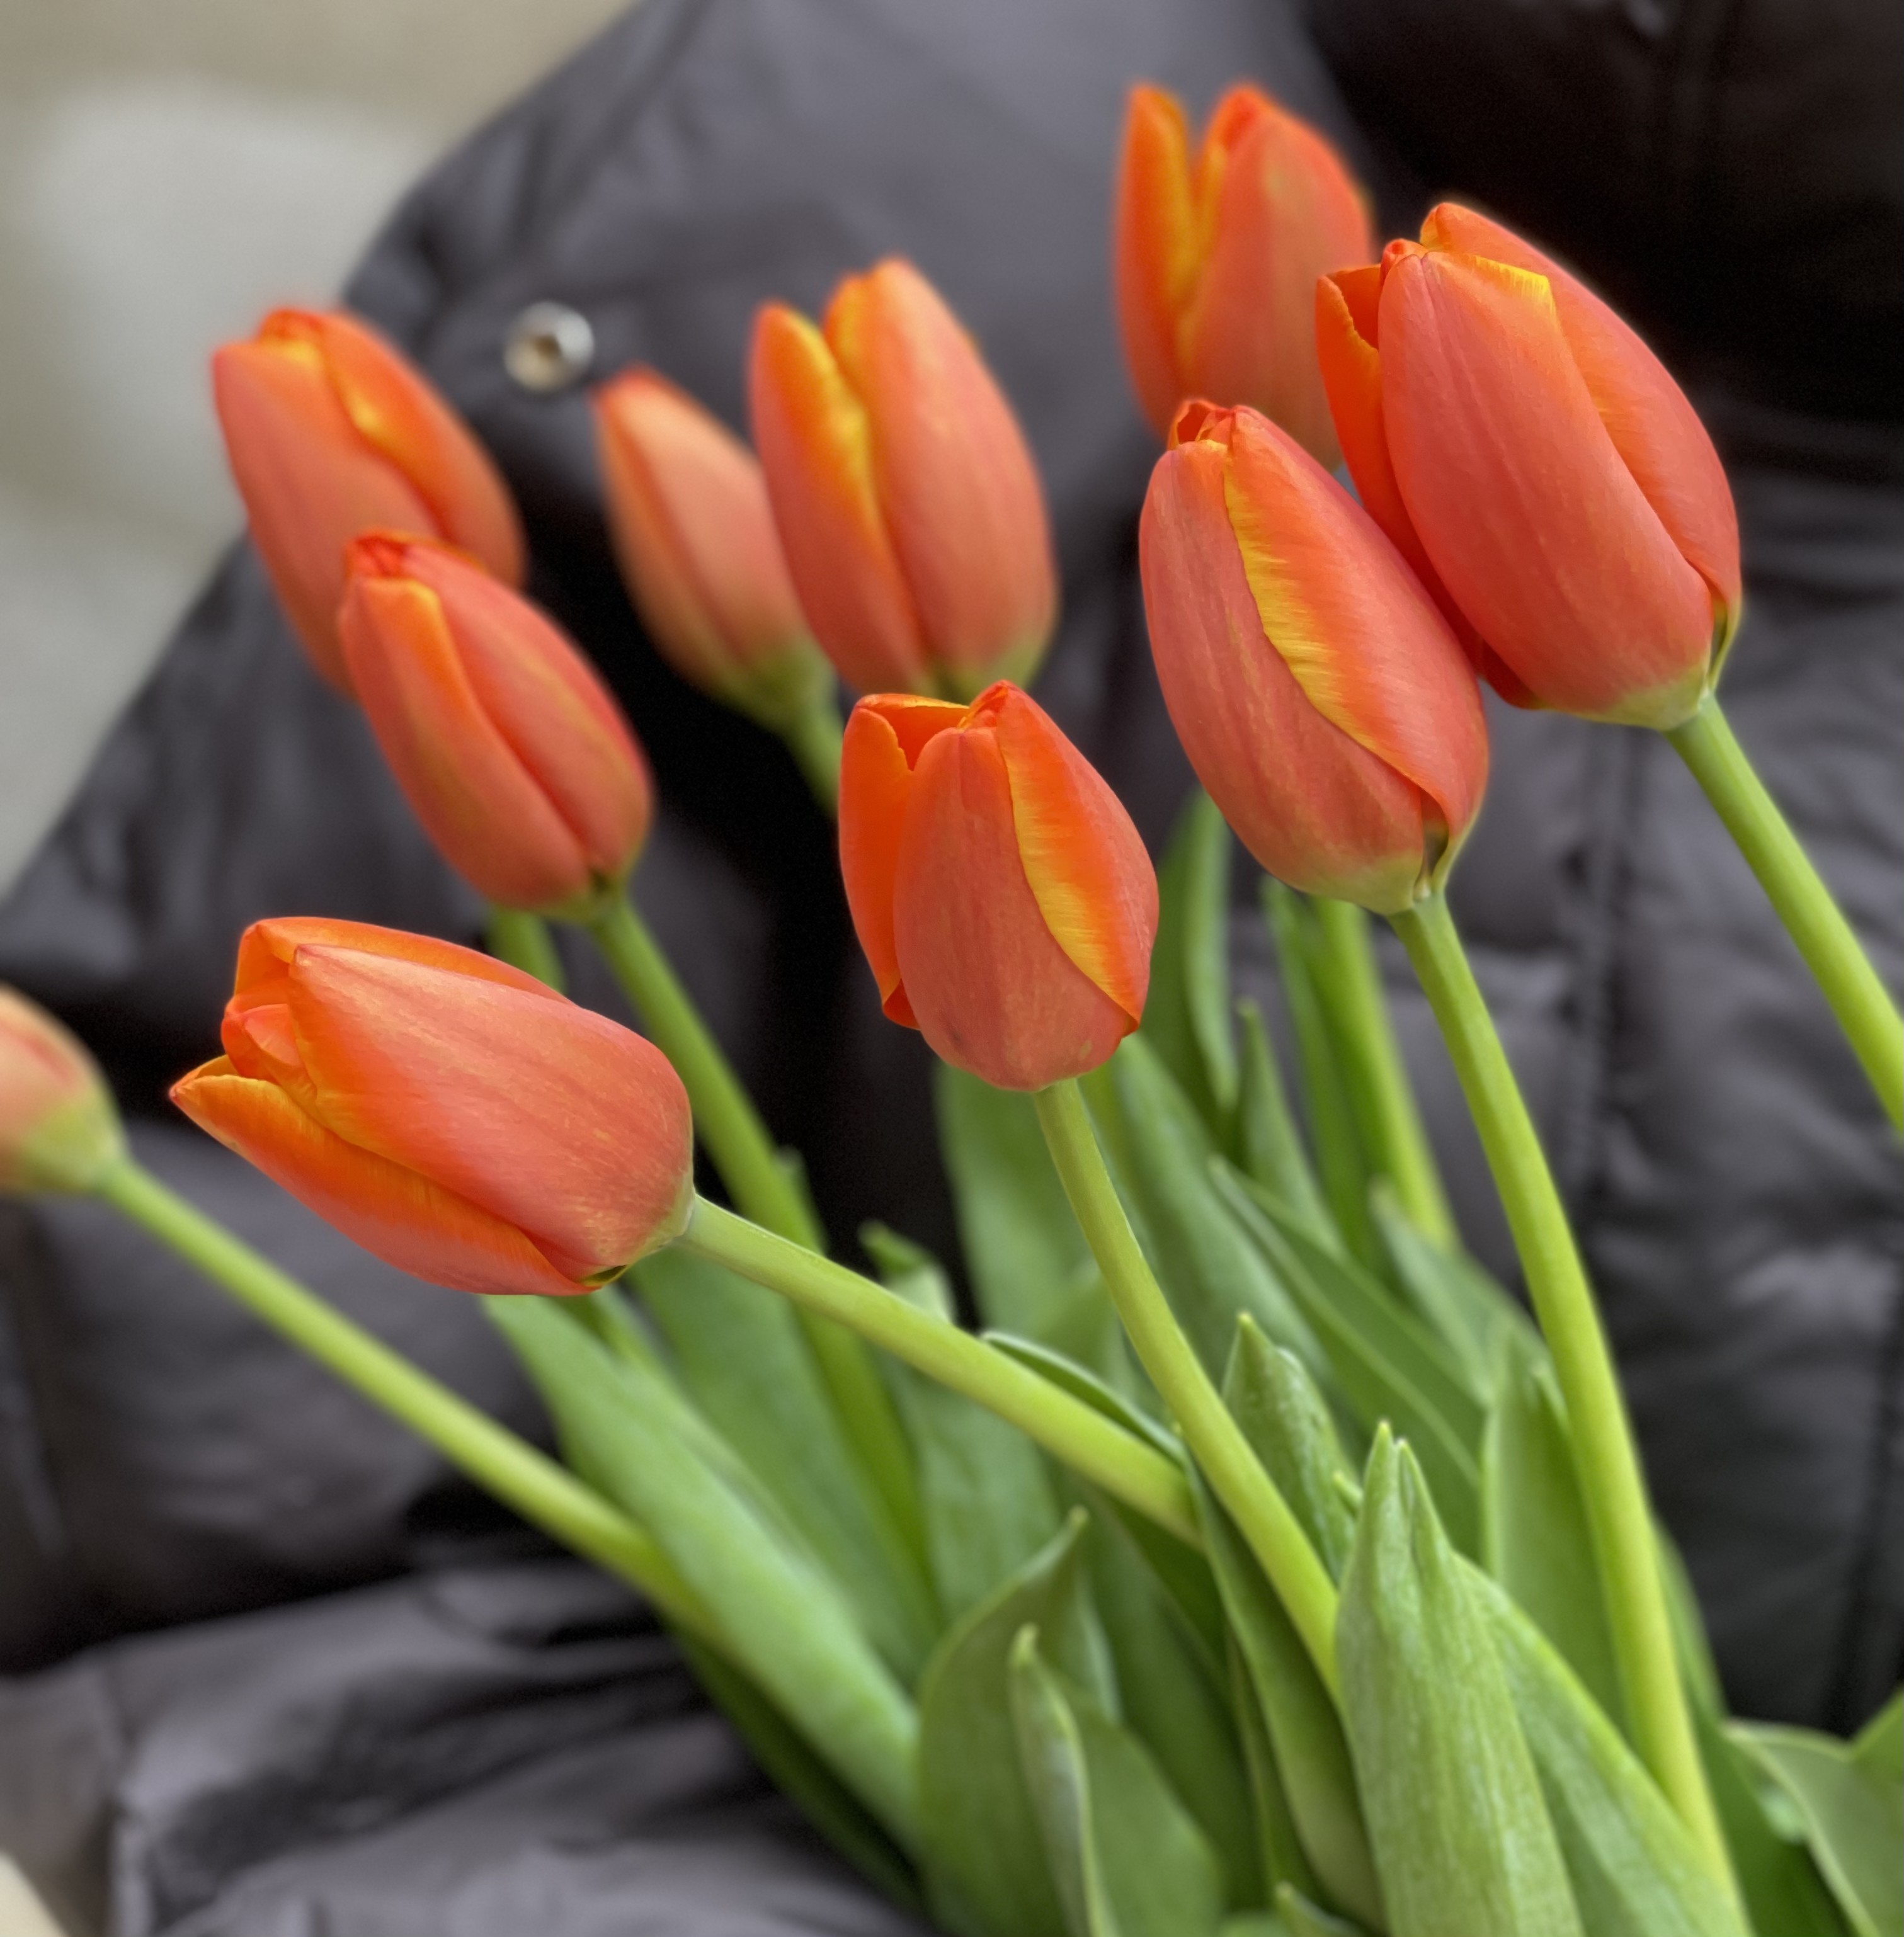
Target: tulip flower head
907,503
1325,704
1002,896
1535,463
511,751
59,1130
1217,258
694,534
446,1111
330,431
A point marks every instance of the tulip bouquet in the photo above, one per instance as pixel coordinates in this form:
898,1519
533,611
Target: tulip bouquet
1260,1566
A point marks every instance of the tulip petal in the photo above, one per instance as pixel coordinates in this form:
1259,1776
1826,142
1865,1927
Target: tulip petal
959,492
1654,428
399,1217
1085,862
268,948
994,993
1156,246
815,447
575,1130
1314,806
1581,591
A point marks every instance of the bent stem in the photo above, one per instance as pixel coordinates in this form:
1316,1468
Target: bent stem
1236,1476
544,1493
1610,1481
1083,1438
761,1181
523,941
1864,1008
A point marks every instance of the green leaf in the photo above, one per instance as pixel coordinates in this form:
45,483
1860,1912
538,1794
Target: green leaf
981,1851
1301,1917
740,1352
1128,1858
1635,1870
1187,1014
1285,1420
1279,1846
1388,1365
791,1629
1269,1147
1305,1735
1850,1798
1535,1539
1462,1838
983,1487
1879,1748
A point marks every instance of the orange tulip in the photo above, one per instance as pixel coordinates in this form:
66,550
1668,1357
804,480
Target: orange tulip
908,502
692,530
59,1130
329,432
1217,258
511,751
446,1111
1001,895
1327,708
1534,461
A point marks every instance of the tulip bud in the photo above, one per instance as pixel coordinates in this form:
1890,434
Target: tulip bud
446,1111
329,432
1327,708
1217,259
1003,898
59,1130
1532,459
511,751
692,530
910,511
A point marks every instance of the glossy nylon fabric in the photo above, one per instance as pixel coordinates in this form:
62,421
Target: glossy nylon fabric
179,1493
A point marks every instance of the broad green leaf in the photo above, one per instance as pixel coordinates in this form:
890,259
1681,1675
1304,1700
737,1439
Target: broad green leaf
1462,1838
1387,1364
1635,1870
1279,1846
1878,1746
1186,1013
791,1629
1851,1799
1285,1420
1534,1536
983,1488
1254,1924
1128,1859
980,1849
1269,1147
740,1354
1209,1269
1305,1735
1301,1917
1022,1244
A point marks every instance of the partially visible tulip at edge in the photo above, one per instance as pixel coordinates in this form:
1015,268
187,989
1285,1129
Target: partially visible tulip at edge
509,748
59,1129
446,1111
329,431
1327,707
1217,255
1540,469
907,503
694,535
1003,899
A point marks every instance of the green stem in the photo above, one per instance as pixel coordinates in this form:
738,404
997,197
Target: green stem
761,1182
523,941
517,1473
1613,1486
1379,1076
813,736
1072,1432
1863,1006
1236,1476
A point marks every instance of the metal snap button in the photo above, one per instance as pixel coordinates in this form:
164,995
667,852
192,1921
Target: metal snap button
549,347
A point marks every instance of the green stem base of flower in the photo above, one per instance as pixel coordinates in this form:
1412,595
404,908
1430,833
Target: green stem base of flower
1236,1476
1863,1006
544,1493
523,941
814,735
1611,1483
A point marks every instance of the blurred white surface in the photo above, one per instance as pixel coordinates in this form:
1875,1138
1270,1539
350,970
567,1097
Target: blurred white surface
21,1914
169,170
